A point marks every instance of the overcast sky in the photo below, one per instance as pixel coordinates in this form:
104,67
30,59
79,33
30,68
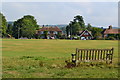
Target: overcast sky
96,13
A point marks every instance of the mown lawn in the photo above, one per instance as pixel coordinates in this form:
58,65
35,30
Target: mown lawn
46,59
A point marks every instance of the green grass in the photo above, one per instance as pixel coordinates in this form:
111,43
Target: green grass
46,59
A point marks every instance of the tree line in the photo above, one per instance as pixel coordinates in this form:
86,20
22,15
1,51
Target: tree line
27,27
23,27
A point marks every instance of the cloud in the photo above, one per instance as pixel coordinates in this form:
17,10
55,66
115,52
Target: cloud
96,13
60,0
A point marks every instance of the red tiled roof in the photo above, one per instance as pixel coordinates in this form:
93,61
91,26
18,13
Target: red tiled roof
112,31
50,29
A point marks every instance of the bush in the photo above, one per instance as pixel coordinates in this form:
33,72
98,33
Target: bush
69,64
100,38
78,38
110,38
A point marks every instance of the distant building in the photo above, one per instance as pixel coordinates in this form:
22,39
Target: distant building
85,35
109,31
51,32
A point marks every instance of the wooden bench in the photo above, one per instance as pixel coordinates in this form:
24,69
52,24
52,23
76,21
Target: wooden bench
91,55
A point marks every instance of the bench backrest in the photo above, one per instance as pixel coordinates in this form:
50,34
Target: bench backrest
93,55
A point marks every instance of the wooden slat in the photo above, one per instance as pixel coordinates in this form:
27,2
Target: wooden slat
104,55
78,55
90,55
84,54
96,54
101,54
87,55
81,55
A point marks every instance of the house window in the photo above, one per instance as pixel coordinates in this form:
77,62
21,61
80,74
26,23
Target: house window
48,32
86,34
55,32
41,32
51,32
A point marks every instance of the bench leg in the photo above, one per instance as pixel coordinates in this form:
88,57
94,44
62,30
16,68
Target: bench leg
111,62
74,61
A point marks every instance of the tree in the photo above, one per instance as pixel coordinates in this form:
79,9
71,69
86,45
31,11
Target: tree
45,34
96,32
3,25
10,29
89,27
80,20
25,27
68,30
75,26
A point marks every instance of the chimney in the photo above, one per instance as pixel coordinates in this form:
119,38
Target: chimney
110,27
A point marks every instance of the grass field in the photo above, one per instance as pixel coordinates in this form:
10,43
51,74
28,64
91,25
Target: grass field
46,59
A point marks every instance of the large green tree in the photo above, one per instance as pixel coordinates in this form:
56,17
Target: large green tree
75,26
80,20
3,25
25,27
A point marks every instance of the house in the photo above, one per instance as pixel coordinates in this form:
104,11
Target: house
109,31
49,32
85,35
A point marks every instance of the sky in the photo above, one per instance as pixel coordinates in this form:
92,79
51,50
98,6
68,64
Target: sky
100,14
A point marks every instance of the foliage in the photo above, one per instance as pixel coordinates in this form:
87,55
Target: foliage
3,26
113,36
89,27
75,26
45,34
67,30
10,29
25,27
96,32
63,37
59,35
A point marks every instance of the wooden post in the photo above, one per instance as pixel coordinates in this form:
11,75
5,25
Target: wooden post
107,56
112,51
76,54
73,57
